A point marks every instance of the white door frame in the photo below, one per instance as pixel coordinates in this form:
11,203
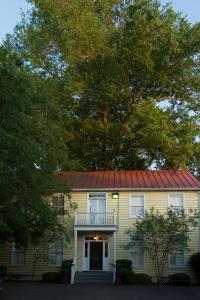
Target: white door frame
86,260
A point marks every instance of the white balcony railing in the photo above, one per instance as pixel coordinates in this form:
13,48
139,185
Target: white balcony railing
95,219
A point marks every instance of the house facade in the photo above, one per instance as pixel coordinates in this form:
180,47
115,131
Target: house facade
108,204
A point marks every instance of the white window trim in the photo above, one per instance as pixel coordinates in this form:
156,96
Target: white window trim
129,211
12,257
175,266
54,265
182,194
129,257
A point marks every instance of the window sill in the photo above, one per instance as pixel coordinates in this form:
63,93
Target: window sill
20,266
176,267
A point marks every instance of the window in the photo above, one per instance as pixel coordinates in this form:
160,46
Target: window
176,202
55,253
58,204
97,208
86,249
136,206
106,249
176,257
136,254
18,255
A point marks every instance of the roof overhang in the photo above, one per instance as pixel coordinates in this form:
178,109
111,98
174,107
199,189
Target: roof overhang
134,189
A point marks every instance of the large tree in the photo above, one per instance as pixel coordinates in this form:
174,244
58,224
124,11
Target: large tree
134,71
32,149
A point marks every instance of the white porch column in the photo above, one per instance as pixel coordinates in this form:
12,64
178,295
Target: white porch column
114,254
73,267
75,247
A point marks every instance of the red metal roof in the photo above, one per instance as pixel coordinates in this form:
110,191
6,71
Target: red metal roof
136,179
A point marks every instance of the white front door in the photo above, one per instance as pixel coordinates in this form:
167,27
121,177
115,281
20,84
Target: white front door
88,242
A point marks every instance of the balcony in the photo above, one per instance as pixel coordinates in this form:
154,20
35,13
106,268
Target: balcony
101,221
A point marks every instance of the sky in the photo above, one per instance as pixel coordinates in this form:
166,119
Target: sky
10,12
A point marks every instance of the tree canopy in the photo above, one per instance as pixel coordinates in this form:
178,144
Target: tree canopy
128,75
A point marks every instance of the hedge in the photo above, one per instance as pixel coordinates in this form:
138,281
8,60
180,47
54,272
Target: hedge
51,277
195,265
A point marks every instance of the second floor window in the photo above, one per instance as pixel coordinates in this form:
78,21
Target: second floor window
136,206
176,202
58,204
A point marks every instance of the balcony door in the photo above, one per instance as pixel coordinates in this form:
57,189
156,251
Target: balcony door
97,208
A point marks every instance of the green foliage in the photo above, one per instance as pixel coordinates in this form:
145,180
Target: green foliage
123,264
51,277
66,266
131,72
181,279
32,148
127,276
162,234
141,278
195,265
66,270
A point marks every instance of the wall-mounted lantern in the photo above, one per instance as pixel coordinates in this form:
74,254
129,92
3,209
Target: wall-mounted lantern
115,195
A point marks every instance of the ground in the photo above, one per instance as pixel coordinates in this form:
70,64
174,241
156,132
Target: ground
41,291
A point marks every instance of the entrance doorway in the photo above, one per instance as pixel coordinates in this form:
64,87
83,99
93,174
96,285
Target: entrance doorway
96,256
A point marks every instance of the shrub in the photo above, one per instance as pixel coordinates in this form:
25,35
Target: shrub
142,278
51,277
66,266
179,279
195,265
123,264
66,270
127,276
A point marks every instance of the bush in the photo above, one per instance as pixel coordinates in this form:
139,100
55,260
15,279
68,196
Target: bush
179,279
51,277
127,276
66,270
66,266
195,265
123,264
142,278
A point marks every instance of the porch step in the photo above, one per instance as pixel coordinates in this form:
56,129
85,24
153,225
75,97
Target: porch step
93,277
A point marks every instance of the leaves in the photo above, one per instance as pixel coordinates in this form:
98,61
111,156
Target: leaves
128,76
32,149
162,233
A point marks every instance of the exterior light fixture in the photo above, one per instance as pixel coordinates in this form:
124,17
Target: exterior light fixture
96,238
115,195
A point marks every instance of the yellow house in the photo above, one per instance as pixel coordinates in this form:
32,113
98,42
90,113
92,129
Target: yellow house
108,203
